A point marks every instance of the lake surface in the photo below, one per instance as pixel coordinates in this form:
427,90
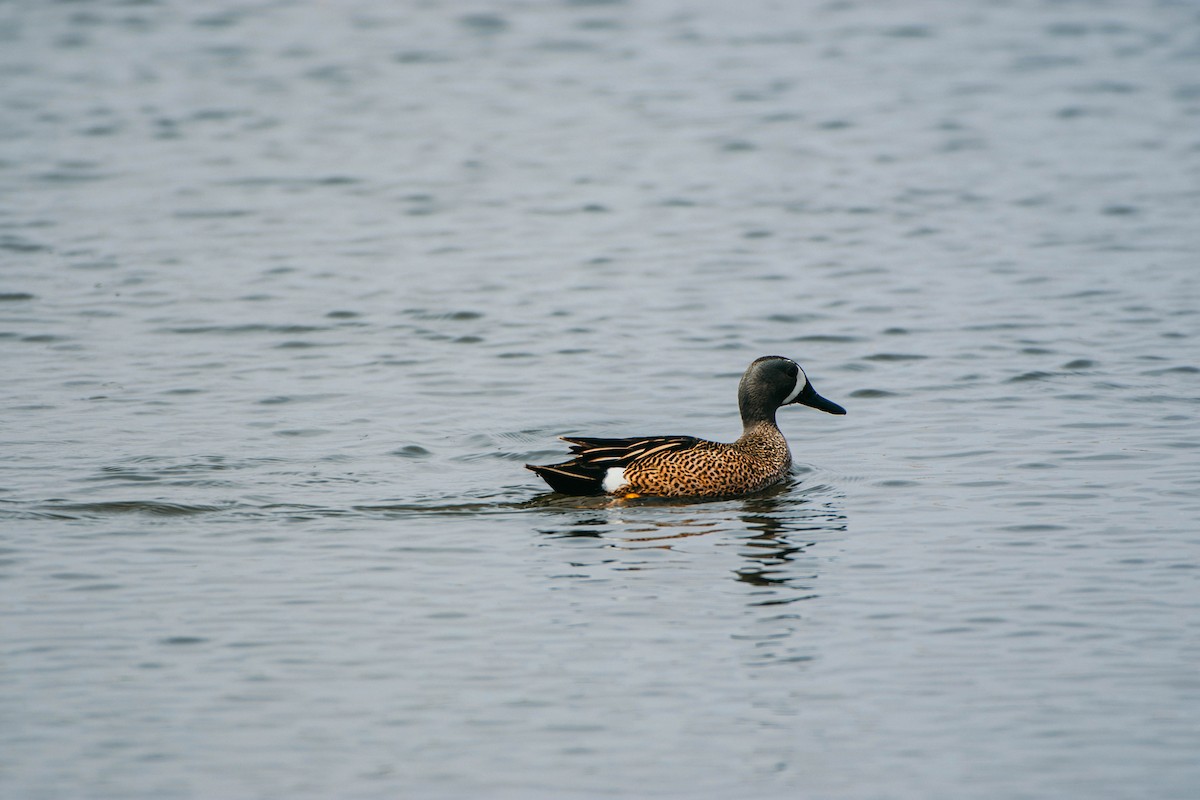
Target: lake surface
290,292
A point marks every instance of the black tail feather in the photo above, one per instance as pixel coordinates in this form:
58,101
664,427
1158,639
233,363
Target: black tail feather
571,477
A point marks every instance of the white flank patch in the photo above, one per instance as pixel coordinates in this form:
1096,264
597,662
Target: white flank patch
801,379
614,478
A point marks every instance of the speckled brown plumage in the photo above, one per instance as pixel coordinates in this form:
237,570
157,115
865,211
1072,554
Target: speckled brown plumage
685,466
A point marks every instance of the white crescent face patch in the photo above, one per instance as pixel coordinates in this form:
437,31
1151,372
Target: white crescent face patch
801,381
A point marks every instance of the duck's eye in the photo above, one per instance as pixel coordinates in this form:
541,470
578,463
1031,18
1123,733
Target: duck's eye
791,370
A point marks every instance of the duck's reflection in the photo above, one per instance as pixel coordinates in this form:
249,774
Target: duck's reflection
772,530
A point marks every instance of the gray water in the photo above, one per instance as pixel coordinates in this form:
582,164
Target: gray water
292,290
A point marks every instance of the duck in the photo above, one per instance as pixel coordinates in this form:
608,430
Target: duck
687,466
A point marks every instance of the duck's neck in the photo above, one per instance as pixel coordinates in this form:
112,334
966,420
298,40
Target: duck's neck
756,410
762,431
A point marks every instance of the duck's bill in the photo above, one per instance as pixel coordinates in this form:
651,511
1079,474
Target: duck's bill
808,397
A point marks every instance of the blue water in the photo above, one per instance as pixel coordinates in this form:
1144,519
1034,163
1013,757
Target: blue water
290,291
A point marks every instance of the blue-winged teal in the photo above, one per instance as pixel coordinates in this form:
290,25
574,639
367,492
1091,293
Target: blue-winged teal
684,466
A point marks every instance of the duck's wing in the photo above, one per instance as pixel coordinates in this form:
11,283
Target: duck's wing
592,458
623,452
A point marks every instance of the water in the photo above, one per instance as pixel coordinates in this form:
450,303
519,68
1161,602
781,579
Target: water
292,290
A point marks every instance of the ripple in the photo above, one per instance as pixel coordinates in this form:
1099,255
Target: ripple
483,23
894,357
1180,370
1034,375
421,57
462,315
118,507
1034,527
819,338
213,213
412,451
237,330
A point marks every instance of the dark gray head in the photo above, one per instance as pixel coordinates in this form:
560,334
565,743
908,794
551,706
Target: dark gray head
774,381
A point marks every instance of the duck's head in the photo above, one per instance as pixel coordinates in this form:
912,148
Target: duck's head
774,381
